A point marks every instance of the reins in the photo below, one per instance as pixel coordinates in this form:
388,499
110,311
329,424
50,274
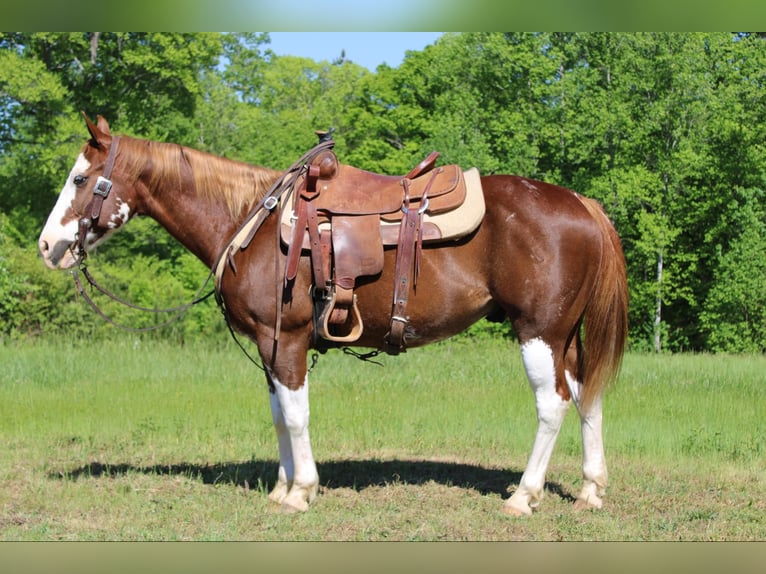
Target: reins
179,310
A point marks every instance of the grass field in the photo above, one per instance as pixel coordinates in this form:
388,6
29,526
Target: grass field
129,440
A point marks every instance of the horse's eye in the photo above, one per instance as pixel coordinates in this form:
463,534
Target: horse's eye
80,180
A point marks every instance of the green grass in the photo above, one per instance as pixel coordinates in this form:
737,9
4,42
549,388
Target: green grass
128,440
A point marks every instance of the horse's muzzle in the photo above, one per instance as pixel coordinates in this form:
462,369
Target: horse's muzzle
60,256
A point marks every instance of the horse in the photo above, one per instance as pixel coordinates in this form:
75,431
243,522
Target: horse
543,257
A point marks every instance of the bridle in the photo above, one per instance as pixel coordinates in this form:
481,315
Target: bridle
100,193
92,214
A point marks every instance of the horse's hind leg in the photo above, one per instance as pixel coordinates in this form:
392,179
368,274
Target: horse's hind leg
593,459
538,357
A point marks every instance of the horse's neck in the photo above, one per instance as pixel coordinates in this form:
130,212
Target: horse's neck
198,221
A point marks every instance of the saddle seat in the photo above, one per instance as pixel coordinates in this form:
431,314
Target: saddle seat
345,216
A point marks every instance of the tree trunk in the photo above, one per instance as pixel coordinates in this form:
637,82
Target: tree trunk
658,305
94,47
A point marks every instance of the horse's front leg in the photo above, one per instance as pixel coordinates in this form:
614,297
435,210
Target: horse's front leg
297,478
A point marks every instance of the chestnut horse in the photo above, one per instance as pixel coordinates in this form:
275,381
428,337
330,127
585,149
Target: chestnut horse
544,257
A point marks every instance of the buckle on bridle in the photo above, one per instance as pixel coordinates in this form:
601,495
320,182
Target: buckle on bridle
270,203
103,186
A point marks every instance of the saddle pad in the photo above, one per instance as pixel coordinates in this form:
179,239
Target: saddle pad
466,218
439,227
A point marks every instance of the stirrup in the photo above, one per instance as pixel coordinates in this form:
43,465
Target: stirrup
323,323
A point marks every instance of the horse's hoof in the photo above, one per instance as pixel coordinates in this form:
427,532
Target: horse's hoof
516,511
278,494
592,503
293,507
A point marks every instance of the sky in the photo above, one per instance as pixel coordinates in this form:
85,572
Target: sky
368,49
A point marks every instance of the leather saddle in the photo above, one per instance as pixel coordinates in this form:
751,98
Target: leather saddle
345,217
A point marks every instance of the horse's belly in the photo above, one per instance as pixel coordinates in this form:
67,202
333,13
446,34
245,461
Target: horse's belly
433,313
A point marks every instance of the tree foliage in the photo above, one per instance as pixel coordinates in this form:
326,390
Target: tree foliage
667,130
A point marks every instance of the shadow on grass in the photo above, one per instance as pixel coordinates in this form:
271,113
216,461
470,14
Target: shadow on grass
354,474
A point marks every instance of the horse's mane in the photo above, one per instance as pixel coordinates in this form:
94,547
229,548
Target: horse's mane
237,184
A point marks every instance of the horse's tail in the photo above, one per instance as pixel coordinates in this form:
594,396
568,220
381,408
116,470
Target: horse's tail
606,315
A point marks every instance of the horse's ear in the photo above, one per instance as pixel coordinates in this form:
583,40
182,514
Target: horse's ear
99,133
103,125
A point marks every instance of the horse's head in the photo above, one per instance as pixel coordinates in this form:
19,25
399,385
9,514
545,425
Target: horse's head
92,204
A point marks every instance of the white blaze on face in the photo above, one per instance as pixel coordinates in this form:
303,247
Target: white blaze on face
61,228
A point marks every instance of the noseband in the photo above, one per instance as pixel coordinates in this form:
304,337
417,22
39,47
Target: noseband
100,192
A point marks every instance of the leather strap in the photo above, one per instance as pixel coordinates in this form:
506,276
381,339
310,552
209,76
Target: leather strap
104,182
296,240
320,247
394,340
408,249
100,192
424,166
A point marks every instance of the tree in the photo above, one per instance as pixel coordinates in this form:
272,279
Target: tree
666,130
734,315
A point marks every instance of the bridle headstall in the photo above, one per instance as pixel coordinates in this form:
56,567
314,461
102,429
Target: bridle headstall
92,214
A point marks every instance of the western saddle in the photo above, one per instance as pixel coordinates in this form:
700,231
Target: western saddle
345,216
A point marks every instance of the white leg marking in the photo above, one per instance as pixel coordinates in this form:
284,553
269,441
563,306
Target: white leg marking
538,362
594,471
286,468
296,459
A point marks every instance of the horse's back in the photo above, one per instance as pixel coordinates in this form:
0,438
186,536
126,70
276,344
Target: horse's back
538,204
536,244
